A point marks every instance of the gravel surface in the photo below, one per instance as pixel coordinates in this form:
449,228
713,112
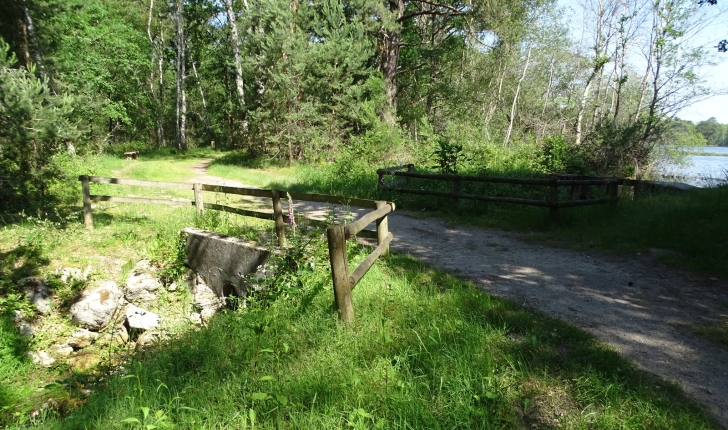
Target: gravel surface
632,303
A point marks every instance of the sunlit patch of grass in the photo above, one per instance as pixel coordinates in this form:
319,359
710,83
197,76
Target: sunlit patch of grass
716,333
427,349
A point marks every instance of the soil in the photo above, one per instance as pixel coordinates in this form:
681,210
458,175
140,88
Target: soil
630,302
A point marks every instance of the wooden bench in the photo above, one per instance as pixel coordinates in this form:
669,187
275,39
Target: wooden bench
132,155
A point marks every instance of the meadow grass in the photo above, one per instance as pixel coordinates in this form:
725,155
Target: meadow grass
427,350
686,229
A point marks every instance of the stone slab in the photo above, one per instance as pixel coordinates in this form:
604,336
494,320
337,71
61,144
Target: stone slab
223,261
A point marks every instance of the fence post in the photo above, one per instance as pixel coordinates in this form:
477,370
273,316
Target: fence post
88,219
456,191
382,228
278,216
380,181
340,272
410,169
553,200
613,189
199,203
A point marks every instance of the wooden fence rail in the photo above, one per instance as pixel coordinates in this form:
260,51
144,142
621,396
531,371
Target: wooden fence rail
552,202
336,234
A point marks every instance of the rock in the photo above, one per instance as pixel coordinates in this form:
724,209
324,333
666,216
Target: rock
117,336
205,298
141,287
71,274
41,358
207,314
141,319
143,266
172,287
26,328
194,318
223,262
97,306
82,338
61,350
38,293
149,338
83,361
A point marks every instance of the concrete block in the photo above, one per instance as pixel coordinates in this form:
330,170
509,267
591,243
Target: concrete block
223,261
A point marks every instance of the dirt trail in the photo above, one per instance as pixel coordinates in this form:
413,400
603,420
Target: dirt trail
629,302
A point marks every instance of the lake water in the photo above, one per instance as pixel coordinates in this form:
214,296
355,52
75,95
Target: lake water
705,170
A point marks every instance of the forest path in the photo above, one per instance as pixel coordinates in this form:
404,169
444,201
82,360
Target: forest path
632,302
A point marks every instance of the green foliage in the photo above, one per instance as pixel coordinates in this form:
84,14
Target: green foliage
623,151
34,131
558,156
449,156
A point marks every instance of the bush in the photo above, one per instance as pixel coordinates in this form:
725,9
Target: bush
34,130
557,156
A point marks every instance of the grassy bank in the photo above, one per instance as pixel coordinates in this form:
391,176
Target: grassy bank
427,350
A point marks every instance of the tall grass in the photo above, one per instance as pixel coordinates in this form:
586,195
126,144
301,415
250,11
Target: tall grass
426,351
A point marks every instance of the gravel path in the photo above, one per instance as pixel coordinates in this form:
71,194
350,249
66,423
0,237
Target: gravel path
629,302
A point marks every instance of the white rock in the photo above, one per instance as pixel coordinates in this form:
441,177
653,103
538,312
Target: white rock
143,266
141,319
207,314
41,358
26,329
205,298
38,293
194,318
82,338
116,336
141,287
61,350
149,338
97,306
70,274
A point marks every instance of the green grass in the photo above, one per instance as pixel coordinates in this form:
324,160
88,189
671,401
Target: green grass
717,334
427,350
686,229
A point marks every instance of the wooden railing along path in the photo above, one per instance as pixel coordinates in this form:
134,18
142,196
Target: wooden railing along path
552,202
337,235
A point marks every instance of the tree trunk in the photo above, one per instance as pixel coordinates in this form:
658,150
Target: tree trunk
515,97
181,97
35,46
157,103
210,135
390,62
235,42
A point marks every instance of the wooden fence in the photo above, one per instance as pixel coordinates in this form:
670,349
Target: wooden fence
343,281
552,202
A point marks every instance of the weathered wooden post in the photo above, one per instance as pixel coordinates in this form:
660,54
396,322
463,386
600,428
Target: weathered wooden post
88,219
613,189
410,169
340,272
382,228
553,200
199,203
278,216
380,180
456,191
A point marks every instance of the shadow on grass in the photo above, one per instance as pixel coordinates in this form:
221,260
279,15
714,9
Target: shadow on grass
430,351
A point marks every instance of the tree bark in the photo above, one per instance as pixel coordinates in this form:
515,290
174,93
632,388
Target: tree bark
235,42
181,140
515,97
390,62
